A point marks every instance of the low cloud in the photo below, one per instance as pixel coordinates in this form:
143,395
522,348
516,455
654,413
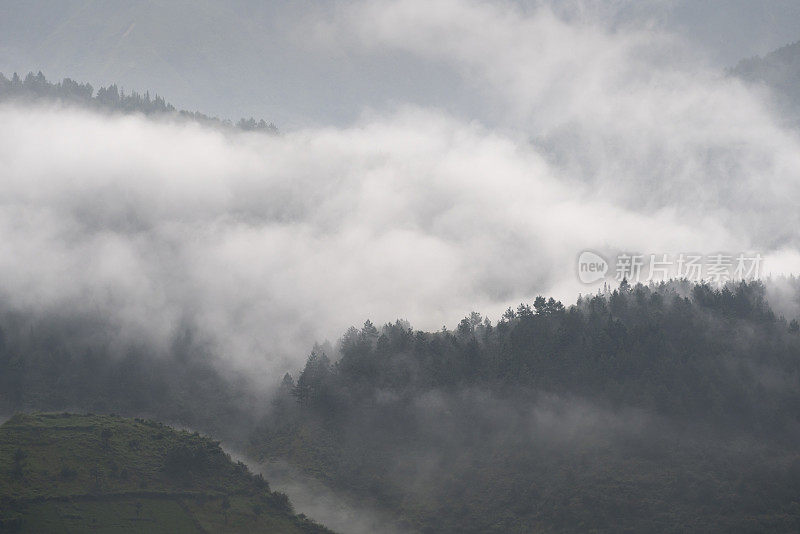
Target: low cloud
599,139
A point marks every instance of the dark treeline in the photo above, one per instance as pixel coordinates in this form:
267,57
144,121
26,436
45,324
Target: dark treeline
672,407
699,355
111,98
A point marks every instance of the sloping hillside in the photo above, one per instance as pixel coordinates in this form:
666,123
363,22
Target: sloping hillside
779,71
780,68
79,473
661,408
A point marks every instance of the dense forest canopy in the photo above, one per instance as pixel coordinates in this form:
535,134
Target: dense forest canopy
35,87
687,396
674,348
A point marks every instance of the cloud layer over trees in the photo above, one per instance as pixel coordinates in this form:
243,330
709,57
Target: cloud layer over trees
597,138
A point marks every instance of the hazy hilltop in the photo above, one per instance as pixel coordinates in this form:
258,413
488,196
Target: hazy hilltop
779,71
181,46
70,473
35,88
272,59
225,58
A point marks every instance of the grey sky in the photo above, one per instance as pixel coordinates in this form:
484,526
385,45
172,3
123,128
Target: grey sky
245,57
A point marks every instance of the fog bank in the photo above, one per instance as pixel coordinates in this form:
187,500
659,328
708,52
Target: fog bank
601,138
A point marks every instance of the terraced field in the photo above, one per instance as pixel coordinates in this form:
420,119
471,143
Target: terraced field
98,473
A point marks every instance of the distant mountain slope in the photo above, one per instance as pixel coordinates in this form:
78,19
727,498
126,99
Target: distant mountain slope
779,71
72,473
137,44
780,68
35,87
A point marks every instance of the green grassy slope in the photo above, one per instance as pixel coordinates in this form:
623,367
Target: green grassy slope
78,473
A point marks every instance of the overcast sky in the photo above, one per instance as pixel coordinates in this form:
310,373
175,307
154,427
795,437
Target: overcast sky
276,59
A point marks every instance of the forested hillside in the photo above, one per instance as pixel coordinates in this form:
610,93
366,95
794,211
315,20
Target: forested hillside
665,408
36,88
